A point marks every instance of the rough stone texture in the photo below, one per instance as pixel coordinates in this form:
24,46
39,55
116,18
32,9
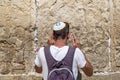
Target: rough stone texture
16,38
95,22
89,20
115,76
116,33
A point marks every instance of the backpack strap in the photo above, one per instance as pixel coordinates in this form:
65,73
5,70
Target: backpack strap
49,59
67,59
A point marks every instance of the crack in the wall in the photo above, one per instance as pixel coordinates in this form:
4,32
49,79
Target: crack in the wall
109,44
35,29
54,3
36,25
110,16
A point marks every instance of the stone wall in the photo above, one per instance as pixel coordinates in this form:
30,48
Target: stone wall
16,37
95,22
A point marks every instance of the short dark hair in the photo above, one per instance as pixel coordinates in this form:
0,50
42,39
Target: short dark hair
61,33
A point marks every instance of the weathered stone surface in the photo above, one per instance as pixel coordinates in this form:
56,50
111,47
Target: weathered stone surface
29,58
16,38
95,22
5,67
116,33
114,76
18,68
21,77
89,20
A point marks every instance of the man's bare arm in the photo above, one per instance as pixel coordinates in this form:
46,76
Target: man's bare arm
38,69
50,42
88,68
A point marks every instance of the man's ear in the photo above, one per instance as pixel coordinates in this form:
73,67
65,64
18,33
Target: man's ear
68,35
53,37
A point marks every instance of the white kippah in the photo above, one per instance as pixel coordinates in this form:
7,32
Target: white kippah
58,26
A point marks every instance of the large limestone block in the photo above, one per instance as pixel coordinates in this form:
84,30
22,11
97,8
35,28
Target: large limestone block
21,77
113,76
89,19
103,76
95,22
116,34
16,26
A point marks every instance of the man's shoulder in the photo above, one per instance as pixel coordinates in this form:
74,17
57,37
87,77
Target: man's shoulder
40,49
76,49
79,53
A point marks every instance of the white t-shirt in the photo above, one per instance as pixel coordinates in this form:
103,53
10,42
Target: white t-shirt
58,54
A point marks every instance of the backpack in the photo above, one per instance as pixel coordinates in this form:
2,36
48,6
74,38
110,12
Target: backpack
60,70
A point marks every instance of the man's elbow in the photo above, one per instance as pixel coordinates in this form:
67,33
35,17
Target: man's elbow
88,70
38,69
89,74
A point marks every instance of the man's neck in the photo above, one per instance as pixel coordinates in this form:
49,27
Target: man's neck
60,43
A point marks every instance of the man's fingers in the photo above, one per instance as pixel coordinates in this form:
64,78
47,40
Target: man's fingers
76,42
50,40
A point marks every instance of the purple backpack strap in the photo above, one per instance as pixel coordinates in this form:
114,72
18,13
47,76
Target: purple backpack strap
49,59
68,58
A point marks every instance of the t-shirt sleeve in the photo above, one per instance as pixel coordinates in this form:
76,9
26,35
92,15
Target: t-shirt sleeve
80,58
37,60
